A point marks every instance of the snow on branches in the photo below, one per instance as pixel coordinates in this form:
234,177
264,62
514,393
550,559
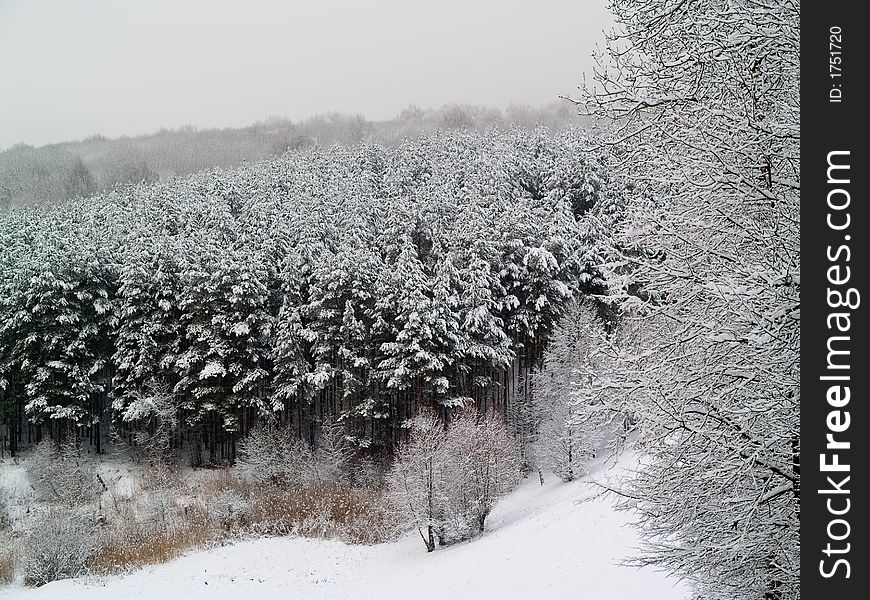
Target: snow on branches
704,101
444,482
359,284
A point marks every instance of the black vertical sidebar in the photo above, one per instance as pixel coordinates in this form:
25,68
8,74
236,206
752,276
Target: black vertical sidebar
835,227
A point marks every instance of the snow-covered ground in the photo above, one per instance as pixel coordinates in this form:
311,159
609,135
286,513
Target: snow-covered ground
551,542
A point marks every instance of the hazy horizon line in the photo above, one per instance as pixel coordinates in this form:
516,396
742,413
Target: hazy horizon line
273,118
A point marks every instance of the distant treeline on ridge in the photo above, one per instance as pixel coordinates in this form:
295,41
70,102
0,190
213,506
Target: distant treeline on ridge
54,172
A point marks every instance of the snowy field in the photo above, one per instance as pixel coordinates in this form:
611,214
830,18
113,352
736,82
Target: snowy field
550,542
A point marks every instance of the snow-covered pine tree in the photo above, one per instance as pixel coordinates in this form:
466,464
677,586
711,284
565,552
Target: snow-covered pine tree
292,351
223,367
59,335
342,308
149,335
427,337
484,332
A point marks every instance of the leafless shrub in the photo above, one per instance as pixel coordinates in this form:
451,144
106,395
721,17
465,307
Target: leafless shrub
59,546
63,474
269,455
329,462
229,508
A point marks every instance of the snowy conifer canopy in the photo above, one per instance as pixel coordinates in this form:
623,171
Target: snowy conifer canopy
358,283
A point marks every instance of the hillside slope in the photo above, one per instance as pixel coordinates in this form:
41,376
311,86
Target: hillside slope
553,541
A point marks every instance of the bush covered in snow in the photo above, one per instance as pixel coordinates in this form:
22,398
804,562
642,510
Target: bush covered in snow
268,454
484,464
62,473
60,546
229,509
330,461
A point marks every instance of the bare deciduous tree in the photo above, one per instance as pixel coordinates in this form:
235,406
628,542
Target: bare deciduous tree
483,464
445,482
414,478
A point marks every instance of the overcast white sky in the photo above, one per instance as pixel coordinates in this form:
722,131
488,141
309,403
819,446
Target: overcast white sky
73,69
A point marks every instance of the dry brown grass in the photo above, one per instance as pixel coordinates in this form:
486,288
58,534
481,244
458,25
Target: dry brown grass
323,511
221,480
8,562
367,519
336,511
134,544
